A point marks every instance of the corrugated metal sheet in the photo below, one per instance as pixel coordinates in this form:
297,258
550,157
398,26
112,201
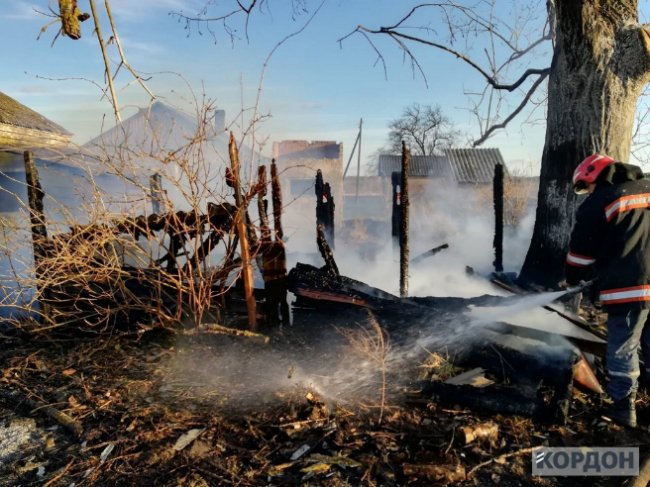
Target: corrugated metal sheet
474,166
421,166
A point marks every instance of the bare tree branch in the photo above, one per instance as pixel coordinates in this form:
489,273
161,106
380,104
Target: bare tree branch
137,77
490,79
516,111
107,65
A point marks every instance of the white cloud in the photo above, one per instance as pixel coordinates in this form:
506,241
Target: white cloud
24,11
128,9
138,47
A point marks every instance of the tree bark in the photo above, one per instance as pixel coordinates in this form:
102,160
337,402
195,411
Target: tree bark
600,66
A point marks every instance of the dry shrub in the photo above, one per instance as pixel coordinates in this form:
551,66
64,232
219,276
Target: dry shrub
112,271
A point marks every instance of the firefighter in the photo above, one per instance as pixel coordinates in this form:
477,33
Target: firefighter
611,242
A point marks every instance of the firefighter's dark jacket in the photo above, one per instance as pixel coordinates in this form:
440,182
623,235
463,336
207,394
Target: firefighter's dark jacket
611,239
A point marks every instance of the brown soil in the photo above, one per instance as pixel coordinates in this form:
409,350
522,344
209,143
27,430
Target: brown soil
132,407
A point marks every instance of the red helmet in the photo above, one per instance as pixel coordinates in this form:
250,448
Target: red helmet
588,170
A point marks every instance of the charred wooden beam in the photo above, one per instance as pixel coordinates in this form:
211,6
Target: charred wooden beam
277,202
321,287
330,208
273,260
497,195
262,205
404,234
35,195
324,207
274,272
192,223
14,399
554,368
396,214
204,250
326,252
429,253
156,192
496,398
40,243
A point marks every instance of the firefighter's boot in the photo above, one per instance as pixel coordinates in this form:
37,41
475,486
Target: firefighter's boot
624,411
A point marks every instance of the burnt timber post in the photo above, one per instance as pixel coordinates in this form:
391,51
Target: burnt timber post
275,258
404,234
262,205
240,223
498,217
329,228
276,192
156,192
324,207
268,253
396,219
35,195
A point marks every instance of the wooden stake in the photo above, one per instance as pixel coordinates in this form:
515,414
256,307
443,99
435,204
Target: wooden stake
404,234
240,223
265,230
498,217
396,214
35,196
275,258
324,208
156,192
277,202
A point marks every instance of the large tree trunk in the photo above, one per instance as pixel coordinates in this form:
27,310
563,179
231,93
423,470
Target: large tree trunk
600,66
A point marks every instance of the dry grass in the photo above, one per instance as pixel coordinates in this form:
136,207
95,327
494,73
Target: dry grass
371,342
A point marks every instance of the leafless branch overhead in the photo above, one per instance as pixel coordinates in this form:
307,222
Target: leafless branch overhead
489,78
514,113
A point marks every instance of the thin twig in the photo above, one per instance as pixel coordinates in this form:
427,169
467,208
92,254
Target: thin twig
137,77
107,65
500,458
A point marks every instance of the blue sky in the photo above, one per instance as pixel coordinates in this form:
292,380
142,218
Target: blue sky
312,88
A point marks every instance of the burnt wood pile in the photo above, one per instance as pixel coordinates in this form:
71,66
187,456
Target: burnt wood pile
524,375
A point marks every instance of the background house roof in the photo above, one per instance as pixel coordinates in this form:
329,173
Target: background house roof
464,166
21,126
303,149
421,166
155,130
474,165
